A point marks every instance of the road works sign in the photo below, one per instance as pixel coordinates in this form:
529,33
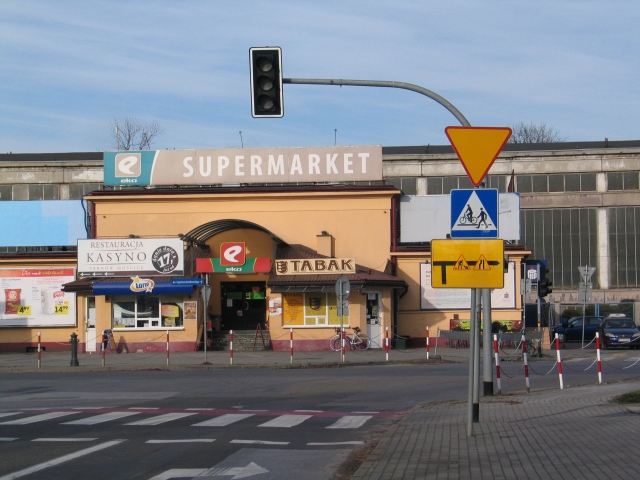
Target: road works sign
474,213
477,148
467,264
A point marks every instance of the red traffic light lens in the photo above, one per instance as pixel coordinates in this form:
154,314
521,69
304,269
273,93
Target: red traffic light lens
264,64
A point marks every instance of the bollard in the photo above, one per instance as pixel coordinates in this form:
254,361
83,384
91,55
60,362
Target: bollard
526,363
598,358
74,350
167,348
343,345
230,347
497,356
291,345
104,343
558,356
39,352
427,342
386,342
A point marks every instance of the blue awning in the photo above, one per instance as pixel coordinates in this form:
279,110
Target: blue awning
125,288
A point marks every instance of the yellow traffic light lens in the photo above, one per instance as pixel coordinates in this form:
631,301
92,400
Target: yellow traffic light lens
265,83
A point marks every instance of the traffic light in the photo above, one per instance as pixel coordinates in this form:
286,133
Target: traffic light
266,82
544,284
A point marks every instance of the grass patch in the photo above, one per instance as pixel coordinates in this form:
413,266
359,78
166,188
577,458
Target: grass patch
630,397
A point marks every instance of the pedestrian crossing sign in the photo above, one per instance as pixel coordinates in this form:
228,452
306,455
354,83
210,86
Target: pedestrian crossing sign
474,213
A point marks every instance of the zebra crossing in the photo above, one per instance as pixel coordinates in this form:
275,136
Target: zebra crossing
352,420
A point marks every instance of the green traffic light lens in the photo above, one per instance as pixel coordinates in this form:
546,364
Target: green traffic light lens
266,102
265,83
264,64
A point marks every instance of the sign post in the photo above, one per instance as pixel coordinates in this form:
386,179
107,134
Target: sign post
343,288
477,148
585,289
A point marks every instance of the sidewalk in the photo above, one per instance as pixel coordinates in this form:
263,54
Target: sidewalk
575,433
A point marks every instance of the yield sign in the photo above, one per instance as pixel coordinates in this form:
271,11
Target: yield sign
477,148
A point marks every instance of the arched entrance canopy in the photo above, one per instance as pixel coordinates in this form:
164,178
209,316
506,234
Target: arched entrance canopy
201,234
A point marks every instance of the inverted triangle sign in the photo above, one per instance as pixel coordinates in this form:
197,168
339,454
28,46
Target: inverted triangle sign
477,148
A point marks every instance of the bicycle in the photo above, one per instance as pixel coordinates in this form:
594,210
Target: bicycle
359,341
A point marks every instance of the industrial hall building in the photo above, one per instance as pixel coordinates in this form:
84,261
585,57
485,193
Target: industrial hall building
194,241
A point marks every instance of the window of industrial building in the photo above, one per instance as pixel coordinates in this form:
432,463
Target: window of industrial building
147,311
566,238
570,182
556,183
624,246
434,185
6,192
406,184
622,181
35,192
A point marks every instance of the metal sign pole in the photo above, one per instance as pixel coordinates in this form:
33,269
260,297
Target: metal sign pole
472,329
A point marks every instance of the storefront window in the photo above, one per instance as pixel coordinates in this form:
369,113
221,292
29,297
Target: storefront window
311,310
147,311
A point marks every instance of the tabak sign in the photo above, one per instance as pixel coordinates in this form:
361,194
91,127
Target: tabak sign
33,297
243,165
316,266
123,256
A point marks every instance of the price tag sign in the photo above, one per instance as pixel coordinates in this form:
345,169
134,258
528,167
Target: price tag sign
62,309
24,310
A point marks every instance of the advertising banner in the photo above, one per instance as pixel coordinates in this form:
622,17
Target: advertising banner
243,165
33,297
125,256
460,298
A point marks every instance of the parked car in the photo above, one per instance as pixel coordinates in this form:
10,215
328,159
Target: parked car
570,330
619,332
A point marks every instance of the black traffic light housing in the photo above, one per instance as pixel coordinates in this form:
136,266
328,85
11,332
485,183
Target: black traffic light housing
544,284
266,82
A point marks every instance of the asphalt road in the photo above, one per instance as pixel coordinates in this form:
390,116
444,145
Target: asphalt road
246,423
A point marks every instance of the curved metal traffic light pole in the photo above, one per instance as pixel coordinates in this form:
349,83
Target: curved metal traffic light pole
375,83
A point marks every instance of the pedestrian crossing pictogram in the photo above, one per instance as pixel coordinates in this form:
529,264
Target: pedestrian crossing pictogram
474,213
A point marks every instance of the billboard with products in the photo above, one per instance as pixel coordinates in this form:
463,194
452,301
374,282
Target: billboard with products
33,297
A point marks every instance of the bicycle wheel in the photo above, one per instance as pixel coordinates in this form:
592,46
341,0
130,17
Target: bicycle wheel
363,342
334,343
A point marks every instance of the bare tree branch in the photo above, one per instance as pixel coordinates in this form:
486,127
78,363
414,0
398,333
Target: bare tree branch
532,133
131,134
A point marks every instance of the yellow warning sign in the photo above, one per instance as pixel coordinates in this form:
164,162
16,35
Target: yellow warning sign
467,263
461,264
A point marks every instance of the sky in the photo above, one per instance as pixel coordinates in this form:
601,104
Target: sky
69,69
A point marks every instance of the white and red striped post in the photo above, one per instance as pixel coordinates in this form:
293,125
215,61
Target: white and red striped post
230,347
497,357
291,345
102,347
598,357
167,348
343,345
386,342
39,352
428,338
526,362
559,357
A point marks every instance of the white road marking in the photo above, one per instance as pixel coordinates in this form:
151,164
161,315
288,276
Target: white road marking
105,417
69,439
308,411
223,420
37,418
59,460
258,442
157,420
89,408
189,440
180,473
351,421
8,439
286,421
8,414
335,443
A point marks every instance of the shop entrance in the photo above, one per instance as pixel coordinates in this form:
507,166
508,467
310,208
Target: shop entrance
244,305
374,320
